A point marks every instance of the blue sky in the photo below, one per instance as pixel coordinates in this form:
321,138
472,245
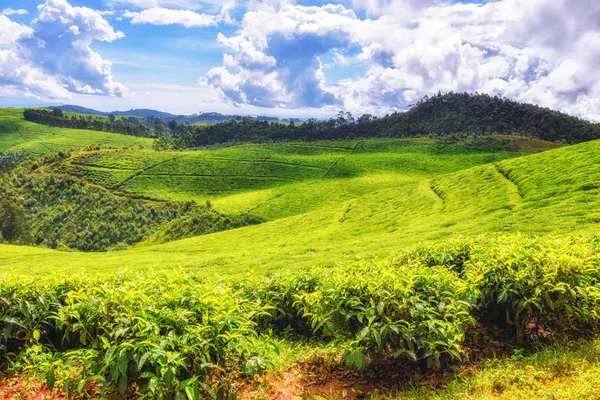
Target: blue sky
297,58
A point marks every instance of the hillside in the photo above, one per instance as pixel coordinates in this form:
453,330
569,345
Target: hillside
386,207
16,133
372,258
445,259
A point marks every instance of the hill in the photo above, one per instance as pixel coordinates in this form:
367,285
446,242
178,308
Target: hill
382,256
384,196
16,133
397,255
440,115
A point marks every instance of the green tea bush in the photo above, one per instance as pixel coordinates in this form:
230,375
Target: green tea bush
182,335
550,280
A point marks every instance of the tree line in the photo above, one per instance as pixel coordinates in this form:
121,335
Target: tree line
126,125
439,115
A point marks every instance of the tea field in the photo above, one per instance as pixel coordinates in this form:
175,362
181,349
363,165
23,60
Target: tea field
460,268
16,133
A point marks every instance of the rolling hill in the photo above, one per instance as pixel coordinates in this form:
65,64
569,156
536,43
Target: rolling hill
395,255
16,133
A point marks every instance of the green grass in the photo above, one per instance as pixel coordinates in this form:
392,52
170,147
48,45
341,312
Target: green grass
16,133
561,372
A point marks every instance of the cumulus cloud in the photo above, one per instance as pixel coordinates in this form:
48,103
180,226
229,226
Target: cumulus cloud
275,59
165,16
10,31
541,51
10,11
52,57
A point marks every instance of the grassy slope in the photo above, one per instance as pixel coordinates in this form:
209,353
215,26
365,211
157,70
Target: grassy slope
391,211
16,133
375,199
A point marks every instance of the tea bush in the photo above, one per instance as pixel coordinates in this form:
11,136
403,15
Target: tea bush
183,335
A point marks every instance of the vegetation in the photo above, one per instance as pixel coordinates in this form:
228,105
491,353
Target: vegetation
180,334
425,254
17,134
127,126
440,115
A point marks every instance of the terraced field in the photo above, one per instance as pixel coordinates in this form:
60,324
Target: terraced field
275,180
340,216
392,194
16,133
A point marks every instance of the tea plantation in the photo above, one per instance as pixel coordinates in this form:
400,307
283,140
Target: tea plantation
463,266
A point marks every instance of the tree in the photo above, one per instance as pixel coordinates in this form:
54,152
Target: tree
111,118
14,227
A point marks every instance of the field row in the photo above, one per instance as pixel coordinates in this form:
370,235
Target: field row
183,333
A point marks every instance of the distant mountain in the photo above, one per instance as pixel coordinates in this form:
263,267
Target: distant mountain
139,112
79,109
201,118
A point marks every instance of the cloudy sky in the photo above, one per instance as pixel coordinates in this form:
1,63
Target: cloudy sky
298,58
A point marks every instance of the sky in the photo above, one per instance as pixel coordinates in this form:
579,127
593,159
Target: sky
302,58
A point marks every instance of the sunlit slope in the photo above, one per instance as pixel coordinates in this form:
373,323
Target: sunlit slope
551,192
276,180
16,133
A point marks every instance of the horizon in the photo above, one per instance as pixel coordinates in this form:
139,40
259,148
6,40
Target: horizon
297,59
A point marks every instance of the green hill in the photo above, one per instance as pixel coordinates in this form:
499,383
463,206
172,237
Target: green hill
399,255
390,195
16,133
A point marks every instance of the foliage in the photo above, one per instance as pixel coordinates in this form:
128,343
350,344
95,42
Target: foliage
14,227
179,332
12,159
59,211
127,126
441,115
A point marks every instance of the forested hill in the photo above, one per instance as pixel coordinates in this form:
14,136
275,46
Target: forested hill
440,115
481,114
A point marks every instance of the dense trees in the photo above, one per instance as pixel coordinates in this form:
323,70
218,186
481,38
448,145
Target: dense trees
127,125
440,115
59,211
14,227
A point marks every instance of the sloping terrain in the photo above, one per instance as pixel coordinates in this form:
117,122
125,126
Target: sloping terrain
391,199
16,133
501,256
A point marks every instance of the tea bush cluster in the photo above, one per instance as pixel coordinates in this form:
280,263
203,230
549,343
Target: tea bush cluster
180,335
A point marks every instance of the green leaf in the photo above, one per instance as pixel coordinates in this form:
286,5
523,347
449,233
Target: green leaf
123,384
50,379
192,393
122,362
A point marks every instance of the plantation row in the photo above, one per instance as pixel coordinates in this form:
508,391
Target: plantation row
180,335
59,211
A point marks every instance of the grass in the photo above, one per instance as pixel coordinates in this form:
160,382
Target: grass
16,133
561,372
371,214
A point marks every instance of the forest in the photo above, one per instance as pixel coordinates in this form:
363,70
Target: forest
124,125
439,115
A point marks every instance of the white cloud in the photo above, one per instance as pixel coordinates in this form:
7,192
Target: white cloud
10,11
276,55
11,31
541,51
164,16
207,6
52,57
